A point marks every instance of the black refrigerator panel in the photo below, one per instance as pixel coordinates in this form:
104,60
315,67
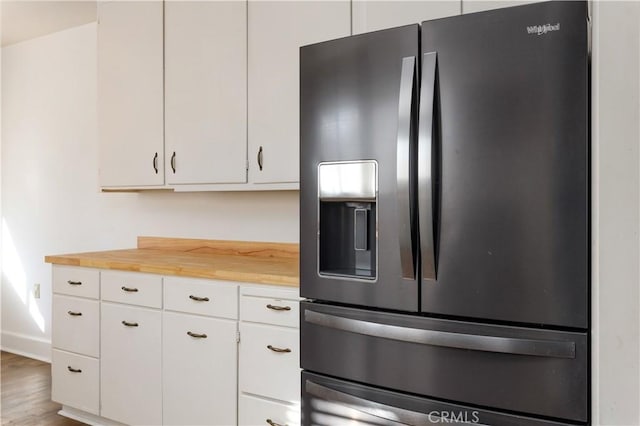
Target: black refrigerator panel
357,238
333,402
527,371
508,196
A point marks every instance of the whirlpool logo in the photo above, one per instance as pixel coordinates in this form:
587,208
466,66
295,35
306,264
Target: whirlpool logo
543,29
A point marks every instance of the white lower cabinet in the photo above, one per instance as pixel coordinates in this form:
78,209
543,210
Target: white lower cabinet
199,357
75,381
143,349
131,381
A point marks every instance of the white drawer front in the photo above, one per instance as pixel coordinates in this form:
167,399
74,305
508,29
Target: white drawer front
274,311
199,364
81,282
204,297
257,411
269,361
132,288
76,325
75,381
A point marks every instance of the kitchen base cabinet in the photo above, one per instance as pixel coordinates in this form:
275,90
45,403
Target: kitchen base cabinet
131,381
199,370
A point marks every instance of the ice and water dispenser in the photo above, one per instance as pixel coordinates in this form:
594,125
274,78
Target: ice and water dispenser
347,228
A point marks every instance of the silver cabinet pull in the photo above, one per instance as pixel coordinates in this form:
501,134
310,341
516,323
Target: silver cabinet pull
260,158
130,324
272,423
278,308
198,299
129,289
197,335
279,350
74,314
73,370
74,282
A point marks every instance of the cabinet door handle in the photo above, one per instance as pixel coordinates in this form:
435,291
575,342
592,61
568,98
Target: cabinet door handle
173,162
278,308
129,289
155,163
260,158
199,299
74,282
74,314
73,370
197,335
272,423
130,324
279,350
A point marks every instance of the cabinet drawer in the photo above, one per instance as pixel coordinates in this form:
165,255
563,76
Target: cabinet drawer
204,297
277,307
269,361
199,365
76,325
82,282
257,411
132,288
75,381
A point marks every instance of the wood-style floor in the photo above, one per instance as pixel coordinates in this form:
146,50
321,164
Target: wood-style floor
25,393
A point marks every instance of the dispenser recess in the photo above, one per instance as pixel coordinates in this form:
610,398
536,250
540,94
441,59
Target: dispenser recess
347,220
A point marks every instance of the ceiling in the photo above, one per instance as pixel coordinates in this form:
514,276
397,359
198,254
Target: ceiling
25,19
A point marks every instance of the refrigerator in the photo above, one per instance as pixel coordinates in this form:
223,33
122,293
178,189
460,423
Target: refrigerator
445,221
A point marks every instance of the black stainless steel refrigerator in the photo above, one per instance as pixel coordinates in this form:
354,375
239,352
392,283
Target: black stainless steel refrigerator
444,221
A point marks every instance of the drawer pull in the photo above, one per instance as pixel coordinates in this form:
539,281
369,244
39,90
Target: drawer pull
74,282
272,423
199,299
74,314
279,350
130,324
129,289
197,335
278,308
73,370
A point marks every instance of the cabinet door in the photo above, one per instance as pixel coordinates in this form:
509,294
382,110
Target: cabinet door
376,15
471,6
276,32
130,104
130,364
206,92
199,370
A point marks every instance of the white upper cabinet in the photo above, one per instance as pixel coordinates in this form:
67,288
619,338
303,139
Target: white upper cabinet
373,15
205,92
470,6
276,32
130,94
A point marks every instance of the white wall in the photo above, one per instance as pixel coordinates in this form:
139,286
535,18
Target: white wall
616,213
50,197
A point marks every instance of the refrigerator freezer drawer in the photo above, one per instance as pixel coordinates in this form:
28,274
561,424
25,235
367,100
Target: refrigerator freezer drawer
336,402
538,372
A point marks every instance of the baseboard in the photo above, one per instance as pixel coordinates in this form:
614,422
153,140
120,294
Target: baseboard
25,345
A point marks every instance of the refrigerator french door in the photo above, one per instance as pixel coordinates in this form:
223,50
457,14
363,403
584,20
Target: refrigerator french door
456,150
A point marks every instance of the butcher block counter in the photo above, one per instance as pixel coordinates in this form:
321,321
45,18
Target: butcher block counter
252,262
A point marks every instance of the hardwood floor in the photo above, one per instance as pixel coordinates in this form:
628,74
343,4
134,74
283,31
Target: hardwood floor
25,393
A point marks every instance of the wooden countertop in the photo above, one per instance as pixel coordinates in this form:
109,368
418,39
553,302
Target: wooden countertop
252,262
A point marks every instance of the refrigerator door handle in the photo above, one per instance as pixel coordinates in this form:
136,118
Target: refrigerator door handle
425,165
403,167
447,339
391,415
